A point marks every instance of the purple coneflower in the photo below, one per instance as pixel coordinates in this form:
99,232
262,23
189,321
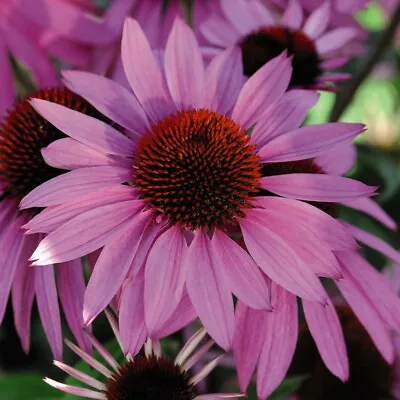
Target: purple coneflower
149,376
175,194
23,134
315,50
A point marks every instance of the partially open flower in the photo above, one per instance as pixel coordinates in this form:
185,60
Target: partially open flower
149,376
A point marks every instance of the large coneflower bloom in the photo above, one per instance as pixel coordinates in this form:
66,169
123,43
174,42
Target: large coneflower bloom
177,192
147,376
315,50
23,133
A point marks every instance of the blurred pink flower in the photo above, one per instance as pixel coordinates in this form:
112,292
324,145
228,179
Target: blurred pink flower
150,375
186,169
316,50
23,133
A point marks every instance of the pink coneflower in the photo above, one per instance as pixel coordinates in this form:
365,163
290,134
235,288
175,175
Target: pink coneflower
273,336
185,182
23,134
149,376
314,48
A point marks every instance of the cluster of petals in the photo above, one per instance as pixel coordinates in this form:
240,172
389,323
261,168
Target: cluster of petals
90,207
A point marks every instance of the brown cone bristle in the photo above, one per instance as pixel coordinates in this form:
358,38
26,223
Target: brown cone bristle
197,168
267,43
24,132
371,377
299,167
150,378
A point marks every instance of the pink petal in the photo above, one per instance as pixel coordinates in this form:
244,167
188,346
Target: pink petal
67,20
7,80
165,276
183,315
372,208
316,187
338,161
110,98
224,79
279,343
209,292
318,21
70,154
324,325
375,242
145,76
28,52
131,315
250,327
309,142
11,244
259,13
23,292
52,217
367,314
237,13
72,185
112,267
71,288
375,286
241,273
284,116
277,259
293,15
49,312
85,233
184,68
316,255
264,88
219,32
78,391
319,223
335,39
335,77
85,129
334,63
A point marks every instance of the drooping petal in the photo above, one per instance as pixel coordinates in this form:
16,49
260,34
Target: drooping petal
264,88
250,327
241,273
277,259
319,223
131,315
280,337
283,116
85,233
165,275
70,154
52,217
71,289
224,78
110,98
309,142
49,312
316,187
324,325
144,77
77,183
112,267
372,208
184,68
338,161
367,314
335,39
209,292
218,31
85,129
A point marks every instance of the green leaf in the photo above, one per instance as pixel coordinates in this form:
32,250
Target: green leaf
26,387
288,387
